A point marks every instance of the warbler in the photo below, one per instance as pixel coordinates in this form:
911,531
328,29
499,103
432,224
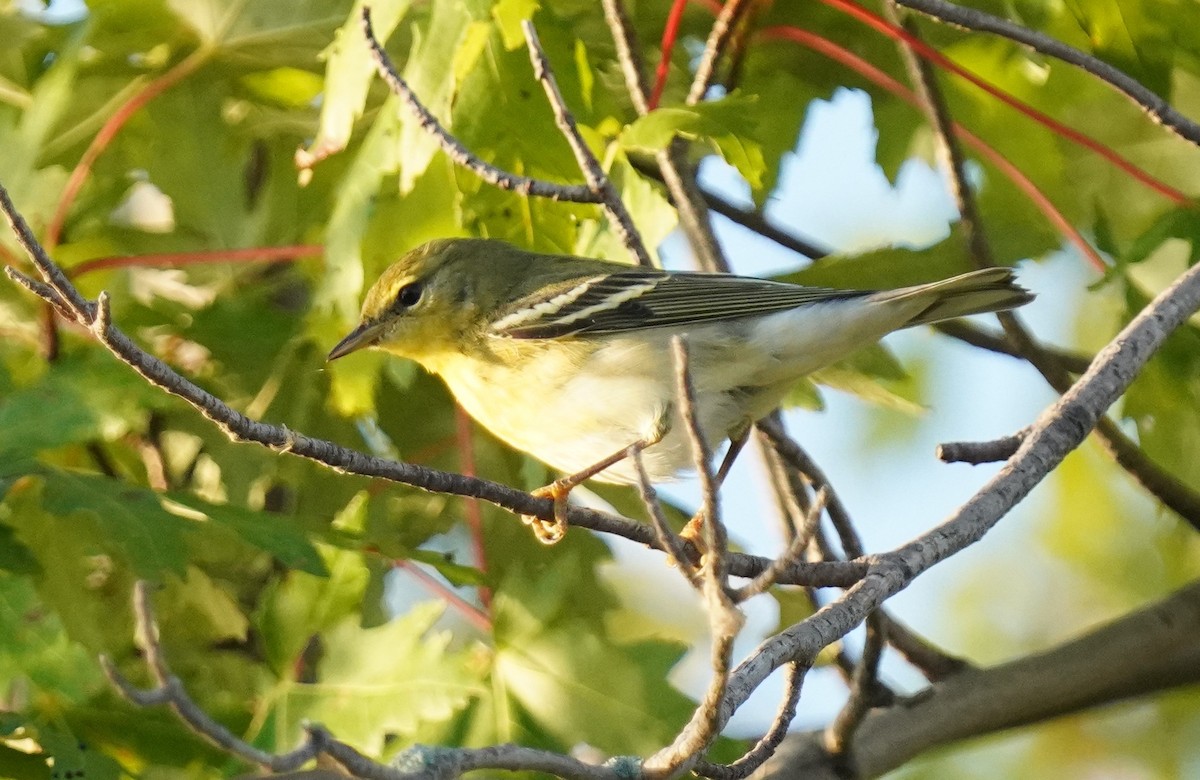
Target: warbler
569,359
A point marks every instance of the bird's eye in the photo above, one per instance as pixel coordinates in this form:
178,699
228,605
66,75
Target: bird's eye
408,296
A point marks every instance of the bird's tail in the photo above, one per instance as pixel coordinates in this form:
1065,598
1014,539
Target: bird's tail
977,292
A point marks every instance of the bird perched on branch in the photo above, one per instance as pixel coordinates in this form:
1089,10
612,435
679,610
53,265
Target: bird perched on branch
570,359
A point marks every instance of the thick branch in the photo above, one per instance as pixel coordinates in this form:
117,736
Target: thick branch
1153,649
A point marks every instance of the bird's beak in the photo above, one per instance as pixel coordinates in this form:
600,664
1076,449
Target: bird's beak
363,336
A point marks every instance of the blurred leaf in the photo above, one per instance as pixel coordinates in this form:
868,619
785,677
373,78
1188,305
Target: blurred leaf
122,519
384,681
87,397
885,269
268,532
77,575
74,758
571,682
874,375
36,649
299,606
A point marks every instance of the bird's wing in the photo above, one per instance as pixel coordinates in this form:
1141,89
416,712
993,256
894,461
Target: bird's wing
641,299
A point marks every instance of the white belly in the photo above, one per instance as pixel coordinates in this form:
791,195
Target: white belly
620,392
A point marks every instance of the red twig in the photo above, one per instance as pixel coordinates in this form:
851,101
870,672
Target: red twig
669,36
258,254
870,72
933,55
473,614
109,131
466,449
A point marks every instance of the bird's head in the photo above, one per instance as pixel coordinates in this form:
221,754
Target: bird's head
428,301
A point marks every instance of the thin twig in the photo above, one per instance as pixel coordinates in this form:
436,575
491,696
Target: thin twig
1159,482
750,219
758,222
466,450
417,763
670,36
793,681
976,452
674,170
840,734
908,33
169,690
598,181
714,47
932,661
725,620
262,254
714,533
971,19
108,132
922,653
800,542
471,613
1002,164
64,295
43,291
667,539
628,55
575,193
933,104
976,336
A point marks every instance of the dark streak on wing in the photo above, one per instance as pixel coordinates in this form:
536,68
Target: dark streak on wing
676,299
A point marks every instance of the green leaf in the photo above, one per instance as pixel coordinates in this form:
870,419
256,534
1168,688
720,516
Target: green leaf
556,664
36,649
874,375
271,533
448,46
298,606
885,269
263,31
117,518
577,687
85,396
73,757
350,72
77,576
726,124
376,683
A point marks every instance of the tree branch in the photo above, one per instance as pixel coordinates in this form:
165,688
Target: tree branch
416,763
598,182
971,19
454,149
1153,649
675,171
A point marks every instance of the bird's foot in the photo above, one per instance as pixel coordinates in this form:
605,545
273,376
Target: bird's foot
551,531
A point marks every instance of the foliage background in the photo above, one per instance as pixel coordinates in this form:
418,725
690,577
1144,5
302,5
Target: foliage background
272,569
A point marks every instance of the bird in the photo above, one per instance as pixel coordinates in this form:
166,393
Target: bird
569,359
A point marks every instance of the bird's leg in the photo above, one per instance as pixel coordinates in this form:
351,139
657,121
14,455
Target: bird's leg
693,530
553,530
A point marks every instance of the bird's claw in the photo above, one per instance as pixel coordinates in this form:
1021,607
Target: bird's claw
553,530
